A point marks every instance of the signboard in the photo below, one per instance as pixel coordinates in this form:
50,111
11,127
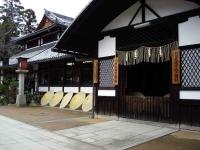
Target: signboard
95,71
176,79
116,71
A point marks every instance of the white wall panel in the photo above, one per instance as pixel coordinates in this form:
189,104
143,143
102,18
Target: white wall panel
56,89
43,89
107,47
87,89
109,93
190,95
71,89
189,32
124,18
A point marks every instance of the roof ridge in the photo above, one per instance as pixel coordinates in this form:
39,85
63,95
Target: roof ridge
57,15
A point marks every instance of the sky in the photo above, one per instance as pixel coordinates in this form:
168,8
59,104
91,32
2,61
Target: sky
69,8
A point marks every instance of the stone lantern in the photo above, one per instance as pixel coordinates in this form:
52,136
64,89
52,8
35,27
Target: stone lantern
22,70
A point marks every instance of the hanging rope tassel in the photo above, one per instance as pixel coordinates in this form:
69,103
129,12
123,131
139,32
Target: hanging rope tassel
147,54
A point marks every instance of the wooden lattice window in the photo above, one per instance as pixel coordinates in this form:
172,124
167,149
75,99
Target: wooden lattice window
190,68
106,73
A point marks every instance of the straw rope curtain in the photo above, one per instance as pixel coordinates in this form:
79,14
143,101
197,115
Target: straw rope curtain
147,54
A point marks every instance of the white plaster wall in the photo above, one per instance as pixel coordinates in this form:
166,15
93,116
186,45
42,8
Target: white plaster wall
189,32
56,89
170,7
108,93
190,95
124,18
87,89
71,89
43,89
162,7
107,47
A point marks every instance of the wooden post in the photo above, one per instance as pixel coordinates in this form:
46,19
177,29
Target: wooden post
95,82
95,71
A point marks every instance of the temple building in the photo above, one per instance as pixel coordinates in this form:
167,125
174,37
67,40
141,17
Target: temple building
52,71
146,57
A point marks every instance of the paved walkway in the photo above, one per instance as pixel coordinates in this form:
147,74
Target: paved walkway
15,135
114,135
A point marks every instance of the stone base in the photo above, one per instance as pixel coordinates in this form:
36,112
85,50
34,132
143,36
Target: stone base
21,100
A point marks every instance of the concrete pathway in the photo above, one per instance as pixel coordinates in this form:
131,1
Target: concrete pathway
116,135
15,135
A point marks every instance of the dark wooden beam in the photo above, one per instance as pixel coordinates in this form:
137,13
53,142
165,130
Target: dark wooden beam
143,10
138,10
153,11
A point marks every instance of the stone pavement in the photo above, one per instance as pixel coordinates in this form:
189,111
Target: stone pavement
116,135
15,135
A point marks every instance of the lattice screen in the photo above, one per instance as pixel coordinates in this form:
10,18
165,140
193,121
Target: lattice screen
190,68
106,73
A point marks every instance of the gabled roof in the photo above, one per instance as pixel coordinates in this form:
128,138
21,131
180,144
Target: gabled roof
57,20
83,33
90,22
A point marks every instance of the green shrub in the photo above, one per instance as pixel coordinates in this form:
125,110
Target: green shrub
31,98
8,91
3,100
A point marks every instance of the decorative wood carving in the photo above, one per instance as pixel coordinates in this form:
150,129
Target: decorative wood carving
176,79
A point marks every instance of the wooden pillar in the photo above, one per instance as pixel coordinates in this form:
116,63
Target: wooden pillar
63,75
49,77
95,85
143,10
175,74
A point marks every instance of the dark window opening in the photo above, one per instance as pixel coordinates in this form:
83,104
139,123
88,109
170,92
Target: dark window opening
148,79
43,78
49,38
32,43
56,77
65,74
71,74
43,74
86,74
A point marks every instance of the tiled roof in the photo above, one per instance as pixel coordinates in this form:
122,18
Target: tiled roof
58,18
38,54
